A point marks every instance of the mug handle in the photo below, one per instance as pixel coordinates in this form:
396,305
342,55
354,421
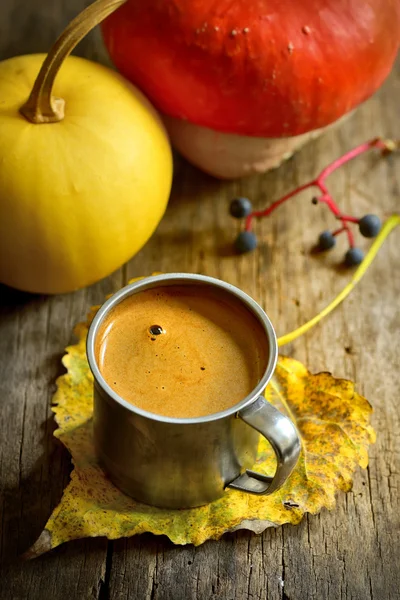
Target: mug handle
284,439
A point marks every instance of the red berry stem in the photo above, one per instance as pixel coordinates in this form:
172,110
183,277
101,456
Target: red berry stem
349,219
331,204
342,160
274,205
328,200
350,237
337,231
319,182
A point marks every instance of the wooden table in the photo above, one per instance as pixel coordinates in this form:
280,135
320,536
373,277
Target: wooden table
352,552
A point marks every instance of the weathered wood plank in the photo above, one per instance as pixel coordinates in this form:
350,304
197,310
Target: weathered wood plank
352,552
34,466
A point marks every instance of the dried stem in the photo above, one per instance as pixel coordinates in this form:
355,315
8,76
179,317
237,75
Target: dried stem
41,106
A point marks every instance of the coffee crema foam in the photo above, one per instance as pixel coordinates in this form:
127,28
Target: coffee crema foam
182,351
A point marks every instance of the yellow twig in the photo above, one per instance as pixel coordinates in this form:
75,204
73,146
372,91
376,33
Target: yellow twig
388,226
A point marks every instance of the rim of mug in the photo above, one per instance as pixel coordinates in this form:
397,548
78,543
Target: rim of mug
171,279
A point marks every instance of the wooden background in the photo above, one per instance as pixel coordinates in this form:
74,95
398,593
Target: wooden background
352,552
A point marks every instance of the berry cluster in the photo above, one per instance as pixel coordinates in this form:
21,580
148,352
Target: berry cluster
369,225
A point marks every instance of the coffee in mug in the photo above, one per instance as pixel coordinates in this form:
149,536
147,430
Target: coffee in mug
182,351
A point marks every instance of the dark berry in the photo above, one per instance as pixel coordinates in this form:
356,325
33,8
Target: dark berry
370,226
326,240
353,257
245,242
240,208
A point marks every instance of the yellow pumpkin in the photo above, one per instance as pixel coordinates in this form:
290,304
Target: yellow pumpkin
80,196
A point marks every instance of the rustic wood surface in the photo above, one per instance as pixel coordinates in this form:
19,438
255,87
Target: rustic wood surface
352,552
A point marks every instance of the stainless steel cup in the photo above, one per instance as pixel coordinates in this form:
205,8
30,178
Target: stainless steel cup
182,463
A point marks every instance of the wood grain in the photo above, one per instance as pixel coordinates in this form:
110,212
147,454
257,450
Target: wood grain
352,552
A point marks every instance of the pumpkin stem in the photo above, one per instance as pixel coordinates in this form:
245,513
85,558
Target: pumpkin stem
41,106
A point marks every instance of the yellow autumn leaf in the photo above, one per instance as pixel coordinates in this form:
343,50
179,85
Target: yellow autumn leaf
333,422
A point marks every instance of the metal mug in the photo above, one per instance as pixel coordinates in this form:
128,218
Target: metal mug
182,463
